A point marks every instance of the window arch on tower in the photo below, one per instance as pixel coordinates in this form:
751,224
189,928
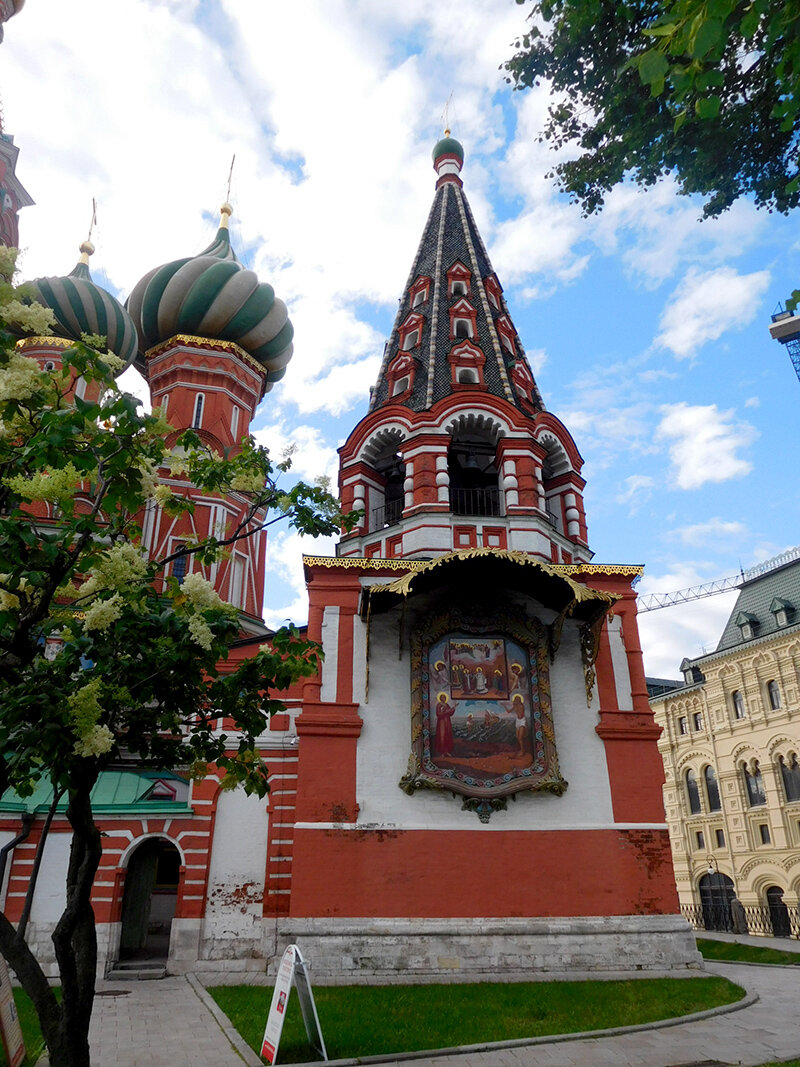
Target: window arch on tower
466,366
197,415
411,331
463,319
507,335
494,292
459,280
472,469
522,380
400,376
419,291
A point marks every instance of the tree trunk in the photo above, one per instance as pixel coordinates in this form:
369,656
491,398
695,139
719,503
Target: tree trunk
75,938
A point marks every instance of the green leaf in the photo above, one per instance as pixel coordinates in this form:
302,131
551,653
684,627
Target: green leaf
661,31
652,66
708,107
679,121
708,35
749,23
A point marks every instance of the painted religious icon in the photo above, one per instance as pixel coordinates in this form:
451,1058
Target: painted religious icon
479,727
481,714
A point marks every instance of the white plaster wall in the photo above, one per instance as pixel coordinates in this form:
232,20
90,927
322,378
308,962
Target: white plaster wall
330,642
236,876
5,837
51,885
619,660
385,745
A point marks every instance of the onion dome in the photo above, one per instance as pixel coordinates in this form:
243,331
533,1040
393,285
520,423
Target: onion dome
448,146
213,296
448,159
80,306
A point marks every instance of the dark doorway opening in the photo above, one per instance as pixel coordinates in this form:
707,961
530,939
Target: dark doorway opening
778,912
716,893
150,900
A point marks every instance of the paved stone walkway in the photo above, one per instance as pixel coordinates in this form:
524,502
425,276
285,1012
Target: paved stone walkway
173,1023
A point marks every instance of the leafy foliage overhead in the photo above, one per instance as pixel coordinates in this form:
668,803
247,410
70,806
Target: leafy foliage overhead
708,90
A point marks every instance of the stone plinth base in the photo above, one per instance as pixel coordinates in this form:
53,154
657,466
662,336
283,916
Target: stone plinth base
353,951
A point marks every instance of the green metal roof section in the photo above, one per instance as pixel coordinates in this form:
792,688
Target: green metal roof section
115,793
755,603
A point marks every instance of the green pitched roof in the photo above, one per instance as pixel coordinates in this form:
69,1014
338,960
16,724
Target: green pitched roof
755,604
115,793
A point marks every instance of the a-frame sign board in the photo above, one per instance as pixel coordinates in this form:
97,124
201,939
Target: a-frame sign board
292,968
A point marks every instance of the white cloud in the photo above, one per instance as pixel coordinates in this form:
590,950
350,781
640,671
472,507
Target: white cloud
705,305
312,457
636,490
752,402
704,443
711,532
287,599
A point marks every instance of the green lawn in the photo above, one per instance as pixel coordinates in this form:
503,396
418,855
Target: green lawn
379,1020
30,1030
729,950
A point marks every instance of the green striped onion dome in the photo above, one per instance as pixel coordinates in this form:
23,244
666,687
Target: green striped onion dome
81,306
448,146
212,295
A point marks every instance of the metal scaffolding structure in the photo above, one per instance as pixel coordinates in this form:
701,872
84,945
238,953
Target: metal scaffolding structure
653,601
786,329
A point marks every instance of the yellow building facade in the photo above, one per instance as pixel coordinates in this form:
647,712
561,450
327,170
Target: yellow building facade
730,744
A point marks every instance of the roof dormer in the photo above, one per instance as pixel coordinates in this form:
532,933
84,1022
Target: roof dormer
748,625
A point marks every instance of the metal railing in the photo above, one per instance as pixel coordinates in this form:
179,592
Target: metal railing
386,515
759,919
481,502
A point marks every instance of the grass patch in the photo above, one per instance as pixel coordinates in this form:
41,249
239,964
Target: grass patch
31,1032
730,950
380,1020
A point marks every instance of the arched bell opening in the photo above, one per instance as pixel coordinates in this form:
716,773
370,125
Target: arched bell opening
555,464
150,900
389,466
472,470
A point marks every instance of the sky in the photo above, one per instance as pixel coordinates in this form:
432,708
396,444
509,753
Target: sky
646,328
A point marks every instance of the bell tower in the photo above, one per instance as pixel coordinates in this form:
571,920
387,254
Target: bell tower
457,449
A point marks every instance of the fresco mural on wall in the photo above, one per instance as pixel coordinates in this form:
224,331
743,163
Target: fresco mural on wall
481,712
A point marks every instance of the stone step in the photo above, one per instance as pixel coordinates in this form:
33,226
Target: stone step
136,972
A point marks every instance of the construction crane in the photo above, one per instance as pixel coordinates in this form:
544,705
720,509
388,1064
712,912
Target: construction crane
652,601
786,329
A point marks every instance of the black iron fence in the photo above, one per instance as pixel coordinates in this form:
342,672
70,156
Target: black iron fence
775,920
485,502
387,515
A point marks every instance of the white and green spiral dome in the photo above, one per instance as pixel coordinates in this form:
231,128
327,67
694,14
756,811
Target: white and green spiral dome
80,306
212,295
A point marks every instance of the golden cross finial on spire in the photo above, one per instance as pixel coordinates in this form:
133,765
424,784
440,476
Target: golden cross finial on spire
446,114
226,210
87,248
93,223
230,176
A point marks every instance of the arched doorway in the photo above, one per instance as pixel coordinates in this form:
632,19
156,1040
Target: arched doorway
716,893
778,912
151,896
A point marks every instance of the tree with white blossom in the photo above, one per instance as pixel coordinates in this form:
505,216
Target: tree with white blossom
101,650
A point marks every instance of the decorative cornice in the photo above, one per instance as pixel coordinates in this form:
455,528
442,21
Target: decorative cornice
566,570
41,342
205,342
